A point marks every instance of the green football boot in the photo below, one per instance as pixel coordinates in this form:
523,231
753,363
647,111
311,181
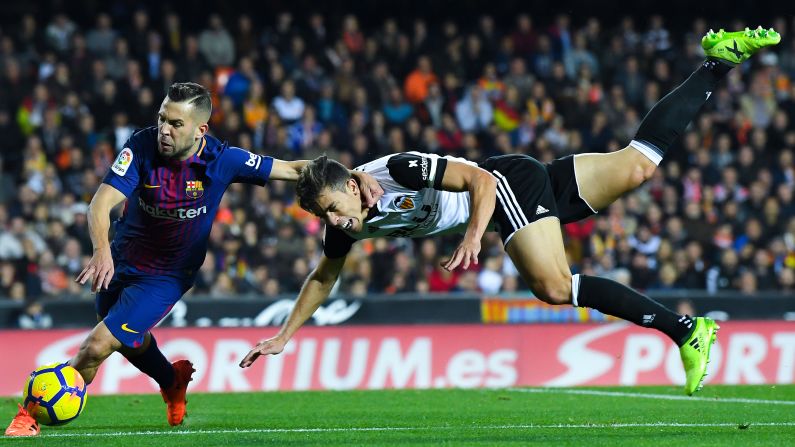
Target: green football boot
738,46
695,353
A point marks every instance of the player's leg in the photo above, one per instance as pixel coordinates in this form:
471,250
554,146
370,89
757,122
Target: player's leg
172,378
605,177
143,302
101,343
533,200
538,253
150,360
98,346
615,299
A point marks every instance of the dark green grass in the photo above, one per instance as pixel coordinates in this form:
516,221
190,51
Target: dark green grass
434,417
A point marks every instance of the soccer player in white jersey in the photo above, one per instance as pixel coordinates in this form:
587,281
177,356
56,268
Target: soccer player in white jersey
526,201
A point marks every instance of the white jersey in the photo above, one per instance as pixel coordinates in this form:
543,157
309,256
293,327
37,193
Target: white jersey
412,204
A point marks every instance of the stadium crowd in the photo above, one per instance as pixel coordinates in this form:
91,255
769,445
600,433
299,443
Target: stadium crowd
719,214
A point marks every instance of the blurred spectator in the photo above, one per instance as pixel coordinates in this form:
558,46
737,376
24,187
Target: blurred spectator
580,57
419,81
288,107
491,84
748,283
223,287
239,83
396,110
101,39
489,278
34,317
216,44
725,275
474,113
441,280
718,214
304,133
59,33
191,61
658,38
786,280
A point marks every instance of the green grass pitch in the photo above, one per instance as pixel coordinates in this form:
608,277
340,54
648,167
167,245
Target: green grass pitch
636,416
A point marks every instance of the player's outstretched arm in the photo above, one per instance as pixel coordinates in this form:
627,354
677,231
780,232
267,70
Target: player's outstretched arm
100,267
287,170
315,290
482,187
290,170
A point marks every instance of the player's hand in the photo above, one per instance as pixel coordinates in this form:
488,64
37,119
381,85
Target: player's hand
466,254
273,345
371,190
100,268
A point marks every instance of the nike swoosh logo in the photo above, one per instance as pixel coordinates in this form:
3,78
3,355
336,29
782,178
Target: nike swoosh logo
126,329
151,186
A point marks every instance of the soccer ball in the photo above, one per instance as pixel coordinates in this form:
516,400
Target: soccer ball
55,394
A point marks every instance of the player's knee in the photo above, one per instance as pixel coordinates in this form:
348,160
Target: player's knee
641,172
554,290
95,349
94,352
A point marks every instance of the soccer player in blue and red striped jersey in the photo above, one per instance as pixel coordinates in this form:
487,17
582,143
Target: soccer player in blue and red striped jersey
172,177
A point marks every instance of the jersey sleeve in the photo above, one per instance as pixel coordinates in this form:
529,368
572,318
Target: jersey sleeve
336,243
242,166
125,171
417,171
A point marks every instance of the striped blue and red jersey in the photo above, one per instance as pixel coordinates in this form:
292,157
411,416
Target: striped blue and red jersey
171,204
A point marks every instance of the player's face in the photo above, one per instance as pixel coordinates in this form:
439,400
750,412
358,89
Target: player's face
342,209
178,131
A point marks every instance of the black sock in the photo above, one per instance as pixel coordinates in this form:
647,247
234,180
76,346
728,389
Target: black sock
153,363
666,121
618,300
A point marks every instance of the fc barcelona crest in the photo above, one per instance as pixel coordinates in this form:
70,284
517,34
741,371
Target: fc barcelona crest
194,189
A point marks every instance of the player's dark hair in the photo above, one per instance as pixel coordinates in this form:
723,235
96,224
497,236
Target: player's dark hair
319,174
194,94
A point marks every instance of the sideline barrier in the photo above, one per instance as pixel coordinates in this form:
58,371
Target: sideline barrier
425,356
409,309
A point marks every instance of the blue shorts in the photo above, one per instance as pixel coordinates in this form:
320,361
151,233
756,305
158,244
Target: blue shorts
135,303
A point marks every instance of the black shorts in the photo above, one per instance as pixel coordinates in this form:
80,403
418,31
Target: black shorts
528,190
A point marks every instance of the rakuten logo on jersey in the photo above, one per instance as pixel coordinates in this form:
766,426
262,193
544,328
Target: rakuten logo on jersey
171,214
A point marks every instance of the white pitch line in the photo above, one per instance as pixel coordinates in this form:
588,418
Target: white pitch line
394,429
737,400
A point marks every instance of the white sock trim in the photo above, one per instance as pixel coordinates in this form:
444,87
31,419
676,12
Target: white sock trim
575,289
647,150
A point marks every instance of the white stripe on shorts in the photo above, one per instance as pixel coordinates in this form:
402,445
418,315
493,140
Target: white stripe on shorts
504,204
509,202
